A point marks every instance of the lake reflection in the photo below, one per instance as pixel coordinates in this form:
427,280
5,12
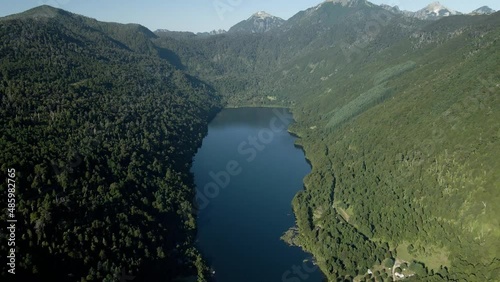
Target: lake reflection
247,173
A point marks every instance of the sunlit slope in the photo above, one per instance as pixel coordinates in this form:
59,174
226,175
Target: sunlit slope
400,120
406,144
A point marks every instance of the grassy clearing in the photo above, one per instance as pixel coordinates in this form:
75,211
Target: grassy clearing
393,72
364,101
343,213
433,257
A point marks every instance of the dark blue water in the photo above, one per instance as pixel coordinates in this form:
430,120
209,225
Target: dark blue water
247,173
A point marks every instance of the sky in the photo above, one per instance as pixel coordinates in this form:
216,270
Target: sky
204,15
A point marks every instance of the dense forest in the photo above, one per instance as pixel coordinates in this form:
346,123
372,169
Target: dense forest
398,116
101,136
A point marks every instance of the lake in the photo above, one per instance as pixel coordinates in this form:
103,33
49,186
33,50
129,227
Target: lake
247,173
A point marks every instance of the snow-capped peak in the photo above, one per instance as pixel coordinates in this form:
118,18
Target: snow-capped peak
262,15
434,11
259,22
436,8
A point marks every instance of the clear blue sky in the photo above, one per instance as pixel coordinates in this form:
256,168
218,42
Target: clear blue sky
203,15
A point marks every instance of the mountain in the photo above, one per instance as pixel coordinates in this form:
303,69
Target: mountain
435,11
347,3
485,10
175,34
216,32
39,13
259,22
394,9
397,115
186,34
116,125
386,107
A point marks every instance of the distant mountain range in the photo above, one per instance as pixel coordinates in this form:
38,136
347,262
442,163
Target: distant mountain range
261,22
435,11
180,34
399,121
346,3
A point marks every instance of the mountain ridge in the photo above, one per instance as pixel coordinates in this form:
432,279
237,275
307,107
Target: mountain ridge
396,120
89,82
339,79
259,22
484,10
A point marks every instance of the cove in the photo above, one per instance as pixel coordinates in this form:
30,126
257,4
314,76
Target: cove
247,172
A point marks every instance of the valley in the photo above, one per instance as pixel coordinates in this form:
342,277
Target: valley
397,114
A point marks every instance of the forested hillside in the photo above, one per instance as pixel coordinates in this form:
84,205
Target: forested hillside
101,135
398,116
403,147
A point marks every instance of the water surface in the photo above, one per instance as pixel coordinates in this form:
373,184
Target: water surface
247,173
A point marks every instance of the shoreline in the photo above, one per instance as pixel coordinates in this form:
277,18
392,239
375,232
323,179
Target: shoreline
295,228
